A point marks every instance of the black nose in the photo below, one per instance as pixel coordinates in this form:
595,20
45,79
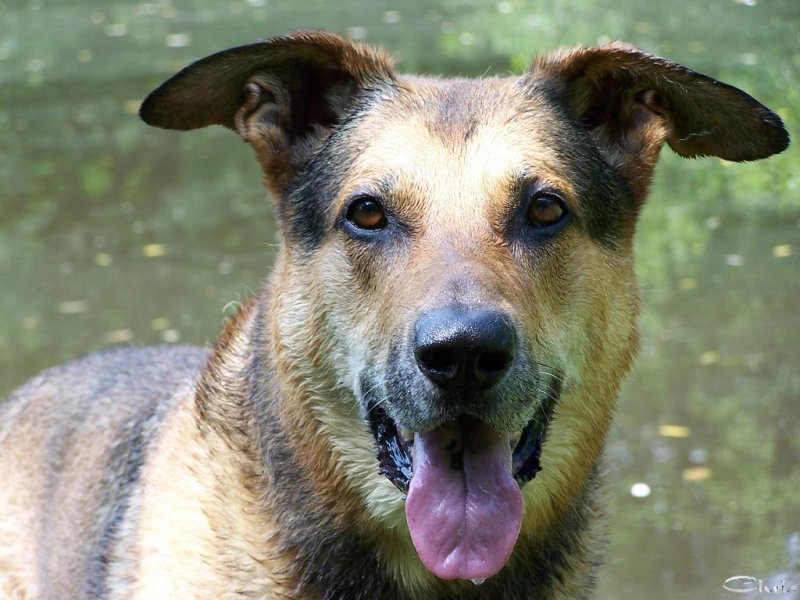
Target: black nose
464,349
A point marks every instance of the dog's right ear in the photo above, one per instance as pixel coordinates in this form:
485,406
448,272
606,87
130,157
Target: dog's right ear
282,95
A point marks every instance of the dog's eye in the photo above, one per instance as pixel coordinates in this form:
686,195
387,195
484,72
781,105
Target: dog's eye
366,213
546,209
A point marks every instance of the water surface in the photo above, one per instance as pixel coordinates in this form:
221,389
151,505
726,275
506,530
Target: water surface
113,233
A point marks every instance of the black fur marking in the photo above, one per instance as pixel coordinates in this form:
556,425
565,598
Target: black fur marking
331,561
304,211
608,209
124,468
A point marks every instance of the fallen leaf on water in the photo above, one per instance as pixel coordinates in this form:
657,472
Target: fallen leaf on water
154,250
782,251
696,474
674,431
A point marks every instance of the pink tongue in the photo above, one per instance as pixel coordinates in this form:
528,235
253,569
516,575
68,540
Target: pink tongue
464,518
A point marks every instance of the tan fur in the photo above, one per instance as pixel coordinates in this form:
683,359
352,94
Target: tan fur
252,472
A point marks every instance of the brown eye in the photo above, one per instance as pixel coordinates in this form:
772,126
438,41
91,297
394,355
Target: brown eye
366,213
545,210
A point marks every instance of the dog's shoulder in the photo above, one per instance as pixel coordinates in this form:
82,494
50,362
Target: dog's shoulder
129,378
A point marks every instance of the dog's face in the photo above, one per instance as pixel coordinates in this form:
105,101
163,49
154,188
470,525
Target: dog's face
468,245
475,262
457,268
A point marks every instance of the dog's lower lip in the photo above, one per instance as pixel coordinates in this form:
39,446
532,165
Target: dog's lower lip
394,454
394,457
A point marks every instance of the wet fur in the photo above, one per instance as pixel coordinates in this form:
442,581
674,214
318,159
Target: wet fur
250,471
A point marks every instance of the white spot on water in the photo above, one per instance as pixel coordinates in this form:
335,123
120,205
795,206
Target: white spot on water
357,33
117,30
735,260
178,40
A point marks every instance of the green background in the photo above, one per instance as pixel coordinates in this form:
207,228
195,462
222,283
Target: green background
114,233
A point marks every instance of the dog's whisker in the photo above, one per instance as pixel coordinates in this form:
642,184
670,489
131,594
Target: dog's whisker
375,404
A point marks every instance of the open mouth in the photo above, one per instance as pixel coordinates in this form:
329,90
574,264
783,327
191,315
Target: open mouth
394,449
462,482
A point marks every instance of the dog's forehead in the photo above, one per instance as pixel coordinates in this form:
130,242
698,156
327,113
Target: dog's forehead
467,133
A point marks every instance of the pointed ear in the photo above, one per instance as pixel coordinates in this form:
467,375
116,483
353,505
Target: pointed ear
282,95
632,102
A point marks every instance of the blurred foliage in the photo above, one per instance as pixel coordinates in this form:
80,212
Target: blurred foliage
116,233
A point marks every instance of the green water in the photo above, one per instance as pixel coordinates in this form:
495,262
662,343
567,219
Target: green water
111,233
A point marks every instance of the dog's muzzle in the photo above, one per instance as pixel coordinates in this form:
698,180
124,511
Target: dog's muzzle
464,353
462,477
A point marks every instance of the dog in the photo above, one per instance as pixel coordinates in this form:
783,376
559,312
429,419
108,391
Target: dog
416,403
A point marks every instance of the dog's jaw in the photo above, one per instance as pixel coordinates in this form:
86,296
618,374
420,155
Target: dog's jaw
464,503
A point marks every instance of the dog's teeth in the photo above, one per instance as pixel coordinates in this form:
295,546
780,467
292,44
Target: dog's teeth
408,435
478,581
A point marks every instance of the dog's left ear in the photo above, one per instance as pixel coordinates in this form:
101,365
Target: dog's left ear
632,102
282,95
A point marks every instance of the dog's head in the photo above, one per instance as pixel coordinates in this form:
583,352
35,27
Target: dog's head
457,259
